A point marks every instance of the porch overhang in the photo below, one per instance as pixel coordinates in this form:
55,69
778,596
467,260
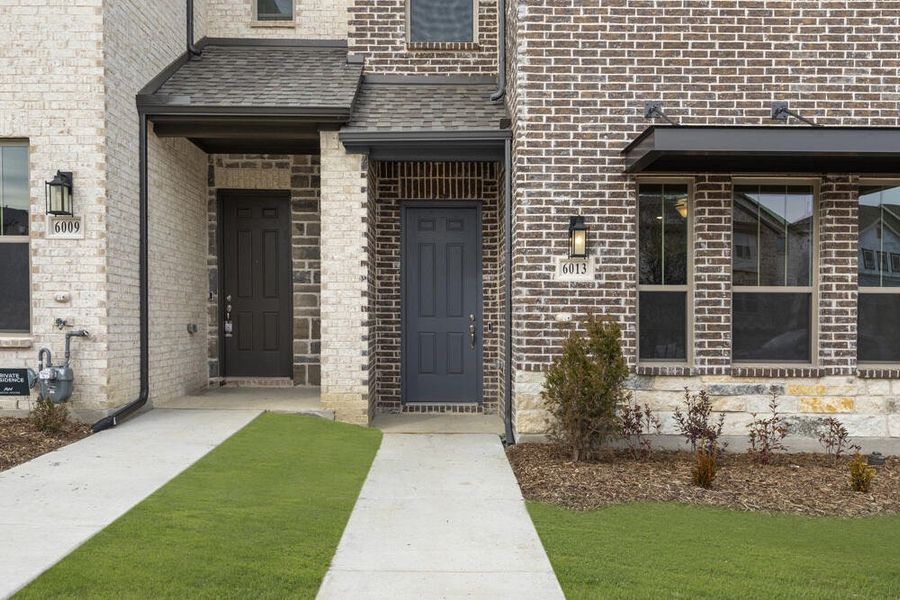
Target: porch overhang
763,149
427,118
254,96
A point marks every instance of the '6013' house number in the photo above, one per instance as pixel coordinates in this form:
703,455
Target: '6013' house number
65,227
575,269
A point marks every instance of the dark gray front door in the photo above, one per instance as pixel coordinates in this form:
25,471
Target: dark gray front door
256,303
442,304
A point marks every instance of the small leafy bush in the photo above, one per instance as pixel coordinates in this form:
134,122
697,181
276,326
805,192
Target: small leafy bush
638,423
861,474
835,438
48,417
695,424
705,468
767,435
585,388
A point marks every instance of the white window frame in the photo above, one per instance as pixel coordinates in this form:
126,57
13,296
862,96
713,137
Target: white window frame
688,288
409,42
813,288
254,7
864,183
18,239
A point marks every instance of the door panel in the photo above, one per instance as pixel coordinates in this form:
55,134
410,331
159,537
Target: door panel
442,305
256,284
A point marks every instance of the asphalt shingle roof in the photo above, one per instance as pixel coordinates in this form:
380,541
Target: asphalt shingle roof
422,106
267,76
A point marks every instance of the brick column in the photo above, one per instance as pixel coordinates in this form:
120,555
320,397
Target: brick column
345,266
712,275
837,275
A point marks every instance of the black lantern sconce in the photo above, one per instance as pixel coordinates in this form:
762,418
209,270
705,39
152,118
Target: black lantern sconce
577,238
59,194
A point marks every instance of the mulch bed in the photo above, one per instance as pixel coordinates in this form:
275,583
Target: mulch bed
807,484
20,441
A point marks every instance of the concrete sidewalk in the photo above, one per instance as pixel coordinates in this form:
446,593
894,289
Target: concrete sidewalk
53,504
440,516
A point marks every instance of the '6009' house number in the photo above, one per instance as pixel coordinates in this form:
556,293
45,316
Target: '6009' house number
65,227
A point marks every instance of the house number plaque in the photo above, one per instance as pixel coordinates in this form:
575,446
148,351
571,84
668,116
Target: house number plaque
575,269
65,228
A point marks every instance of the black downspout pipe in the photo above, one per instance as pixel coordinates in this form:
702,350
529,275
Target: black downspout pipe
507,224
143,267
501,52
191,48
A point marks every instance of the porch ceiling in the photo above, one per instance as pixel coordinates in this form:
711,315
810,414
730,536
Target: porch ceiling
772,149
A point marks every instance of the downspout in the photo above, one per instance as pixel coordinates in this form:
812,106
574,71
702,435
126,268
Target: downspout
191,48
501,52
143,262
507,224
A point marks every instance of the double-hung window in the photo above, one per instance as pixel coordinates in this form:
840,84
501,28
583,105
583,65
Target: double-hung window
879,274
440,21
274,10
772,273
15,280
663,272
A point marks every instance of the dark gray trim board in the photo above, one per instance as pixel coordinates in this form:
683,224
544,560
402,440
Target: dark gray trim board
777,149
428,145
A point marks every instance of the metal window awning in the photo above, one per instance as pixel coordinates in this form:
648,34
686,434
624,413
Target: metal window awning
776,149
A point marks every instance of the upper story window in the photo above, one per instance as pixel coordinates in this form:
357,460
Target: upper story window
274,10
437,21
15,264
772,273
663,277
879,274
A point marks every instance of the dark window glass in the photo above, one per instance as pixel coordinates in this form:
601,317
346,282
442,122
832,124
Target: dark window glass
15,302
663,326
772,236
772,327
14,198
274,10
441,20
879,237
879,328
663,233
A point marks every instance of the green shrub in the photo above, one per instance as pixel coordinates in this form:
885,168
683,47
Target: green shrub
705,467
584,389
48,417
861,474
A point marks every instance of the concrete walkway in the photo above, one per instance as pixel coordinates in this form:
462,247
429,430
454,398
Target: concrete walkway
53,504
440,516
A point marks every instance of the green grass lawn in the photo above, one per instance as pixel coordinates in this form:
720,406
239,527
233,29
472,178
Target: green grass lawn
676,551
258,517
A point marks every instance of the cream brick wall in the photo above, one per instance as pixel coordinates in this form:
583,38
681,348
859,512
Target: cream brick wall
51,93
141,39
345,330
313,19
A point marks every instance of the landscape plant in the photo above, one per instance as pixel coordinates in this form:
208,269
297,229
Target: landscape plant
48,417
861,474
696,425
638,423
705,467
767,434
584,389
835,438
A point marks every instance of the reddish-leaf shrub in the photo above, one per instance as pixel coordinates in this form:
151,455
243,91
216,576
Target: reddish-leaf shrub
767,435
637,424
695,424
835,438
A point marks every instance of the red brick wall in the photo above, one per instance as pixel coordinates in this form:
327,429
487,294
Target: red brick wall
378,32
582,72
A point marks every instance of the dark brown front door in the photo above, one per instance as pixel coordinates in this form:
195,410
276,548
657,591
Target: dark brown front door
256,301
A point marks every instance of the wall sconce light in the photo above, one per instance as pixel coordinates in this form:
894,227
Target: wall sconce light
577,237
59,194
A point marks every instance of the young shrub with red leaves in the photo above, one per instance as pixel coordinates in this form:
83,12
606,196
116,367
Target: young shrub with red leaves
695,425
767,435
835,438
638,423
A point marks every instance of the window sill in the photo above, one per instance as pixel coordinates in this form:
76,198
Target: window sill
878,371
442,46
663,370
274,24
16,342
762,370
